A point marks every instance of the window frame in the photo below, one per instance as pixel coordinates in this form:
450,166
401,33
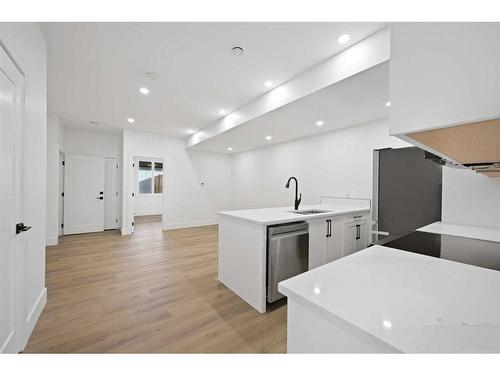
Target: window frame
153,164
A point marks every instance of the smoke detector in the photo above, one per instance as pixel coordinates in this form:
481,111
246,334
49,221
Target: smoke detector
238,51
152,75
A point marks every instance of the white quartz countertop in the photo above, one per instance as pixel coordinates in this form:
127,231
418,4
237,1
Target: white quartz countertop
411,302
278,215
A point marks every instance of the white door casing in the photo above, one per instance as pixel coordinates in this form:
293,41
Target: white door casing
111,194
60,213
12,188
83,201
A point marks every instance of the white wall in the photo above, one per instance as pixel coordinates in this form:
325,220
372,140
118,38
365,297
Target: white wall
471,199
186,202
55,141
95,143
337,163
26,43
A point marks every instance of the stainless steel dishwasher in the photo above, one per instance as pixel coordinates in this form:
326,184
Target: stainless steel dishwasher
287,254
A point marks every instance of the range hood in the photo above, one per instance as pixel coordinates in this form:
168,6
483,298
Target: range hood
475,146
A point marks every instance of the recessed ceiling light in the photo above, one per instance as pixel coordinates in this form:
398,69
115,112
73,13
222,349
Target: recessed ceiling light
130,120
268,137
230,149
320,123
388,104
94,122
144,90
268,83
344,38
222,112
238,51
191,131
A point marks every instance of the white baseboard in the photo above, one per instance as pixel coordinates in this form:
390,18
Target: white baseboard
51,241
34,315
189,224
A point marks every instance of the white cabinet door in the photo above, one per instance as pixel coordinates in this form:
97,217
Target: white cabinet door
348,238
362,235
333,249
443,74
354,236
84,194
317,243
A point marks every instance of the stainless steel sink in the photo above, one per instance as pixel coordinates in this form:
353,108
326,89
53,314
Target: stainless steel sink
309,212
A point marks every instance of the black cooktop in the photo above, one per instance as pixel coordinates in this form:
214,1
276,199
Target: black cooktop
459,249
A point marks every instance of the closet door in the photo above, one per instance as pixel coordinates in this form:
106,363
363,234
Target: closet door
84,194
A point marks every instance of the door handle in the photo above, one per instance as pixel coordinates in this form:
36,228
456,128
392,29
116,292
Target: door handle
358,231
328,228
20,227
100,198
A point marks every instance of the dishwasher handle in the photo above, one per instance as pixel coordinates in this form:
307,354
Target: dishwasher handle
289,234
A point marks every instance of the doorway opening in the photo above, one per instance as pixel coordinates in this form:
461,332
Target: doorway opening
148,193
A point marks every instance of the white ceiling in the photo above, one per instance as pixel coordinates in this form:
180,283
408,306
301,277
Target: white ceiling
95,69
355,100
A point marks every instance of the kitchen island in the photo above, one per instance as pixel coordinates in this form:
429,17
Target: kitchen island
383,299
242,257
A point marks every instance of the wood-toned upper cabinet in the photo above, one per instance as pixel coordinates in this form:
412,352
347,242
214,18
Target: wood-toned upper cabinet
443,74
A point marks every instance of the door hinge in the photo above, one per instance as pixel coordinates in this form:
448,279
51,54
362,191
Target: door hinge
133,194
132,223
62,194
62,225
63,163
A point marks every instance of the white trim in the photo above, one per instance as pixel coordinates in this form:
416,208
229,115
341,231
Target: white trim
51,241
33,316
189,224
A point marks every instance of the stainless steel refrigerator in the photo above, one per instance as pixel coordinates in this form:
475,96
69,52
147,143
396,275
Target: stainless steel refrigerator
407,191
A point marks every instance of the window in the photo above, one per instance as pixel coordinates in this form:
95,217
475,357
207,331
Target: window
150,177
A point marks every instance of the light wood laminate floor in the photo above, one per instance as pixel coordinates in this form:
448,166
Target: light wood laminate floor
153,291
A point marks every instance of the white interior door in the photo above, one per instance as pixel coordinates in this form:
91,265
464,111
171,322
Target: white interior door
83,194
111,194
11,205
